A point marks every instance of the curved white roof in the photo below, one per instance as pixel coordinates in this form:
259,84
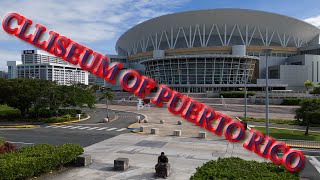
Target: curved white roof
262,25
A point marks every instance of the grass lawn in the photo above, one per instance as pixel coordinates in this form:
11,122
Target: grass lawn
6,109
275,121
289,134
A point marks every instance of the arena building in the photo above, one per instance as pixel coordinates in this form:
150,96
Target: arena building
223,49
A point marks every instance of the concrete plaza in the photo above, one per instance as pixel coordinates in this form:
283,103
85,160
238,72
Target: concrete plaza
185,155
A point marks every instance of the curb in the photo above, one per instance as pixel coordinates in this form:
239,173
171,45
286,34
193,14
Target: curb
68,122
285,128
303,146
20,126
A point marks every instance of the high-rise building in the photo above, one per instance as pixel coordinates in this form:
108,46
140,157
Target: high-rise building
3,74
12,69
41,65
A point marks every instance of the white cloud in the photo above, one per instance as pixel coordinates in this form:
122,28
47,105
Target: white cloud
87,22
6,55
314,20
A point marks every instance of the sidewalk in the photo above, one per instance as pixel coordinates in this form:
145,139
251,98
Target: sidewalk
185,155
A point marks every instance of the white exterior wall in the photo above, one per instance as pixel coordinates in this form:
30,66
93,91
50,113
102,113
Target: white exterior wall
12,69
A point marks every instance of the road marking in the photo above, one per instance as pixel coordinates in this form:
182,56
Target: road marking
122,129
111,129
88,124
84,127
92,128
315,163
75,127
55,126
102,128
19,142
66,127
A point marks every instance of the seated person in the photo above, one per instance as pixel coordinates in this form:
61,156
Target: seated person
162,166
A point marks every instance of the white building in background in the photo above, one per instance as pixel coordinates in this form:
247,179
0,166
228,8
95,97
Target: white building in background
41,65
12,69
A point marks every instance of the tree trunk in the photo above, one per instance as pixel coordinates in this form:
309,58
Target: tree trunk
23,112
307,130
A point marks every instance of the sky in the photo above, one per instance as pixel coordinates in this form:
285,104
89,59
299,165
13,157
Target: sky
98,24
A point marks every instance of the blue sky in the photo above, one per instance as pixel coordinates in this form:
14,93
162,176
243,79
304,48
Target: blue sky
99,23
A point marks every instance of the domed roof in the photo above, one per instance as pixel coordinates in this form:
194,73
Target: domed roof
283,25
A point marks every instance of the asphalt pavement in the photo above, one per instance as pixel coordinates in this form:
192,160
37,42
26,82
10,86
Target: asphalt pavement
84,133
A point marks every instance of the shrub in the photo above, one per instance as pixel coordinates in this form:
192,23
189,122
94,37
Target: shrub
42,113
238,94
72,112
7,147
236,168
292,101
33,160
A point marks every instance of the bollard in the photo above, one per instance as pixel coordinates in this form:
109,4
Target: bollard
177,132
121,164
202,135
83,160
155,131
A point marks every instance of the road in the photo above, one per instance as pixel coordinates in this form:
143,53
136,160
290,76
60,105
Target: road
84,133
92,131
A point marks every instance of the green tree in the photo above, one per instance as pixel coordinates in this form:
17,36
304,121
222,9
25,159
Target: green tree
308,84
107,95
308,111
23,94
95,87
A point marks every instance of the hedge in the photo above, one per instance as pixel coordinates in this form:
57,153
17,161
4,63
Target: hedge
292,101
34,160
6,147
238,94
236,168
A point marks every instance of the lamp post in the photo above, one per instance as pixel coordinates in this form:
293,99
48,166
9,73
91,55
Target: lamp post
267,52
245,92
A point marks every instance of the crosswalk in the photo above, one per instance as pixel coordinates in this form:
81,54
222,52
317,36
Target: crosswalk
315,162
88,128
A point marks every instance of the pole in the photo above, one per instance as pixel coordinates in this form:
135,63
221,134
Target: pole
245,91
267,96
107,108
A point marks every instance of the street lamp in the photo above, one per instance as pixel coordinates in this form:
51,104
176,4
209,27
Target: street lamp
267,52
245,91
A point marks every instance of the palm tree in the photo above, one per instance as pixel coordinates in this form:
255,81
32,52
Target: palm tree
107,95
308,84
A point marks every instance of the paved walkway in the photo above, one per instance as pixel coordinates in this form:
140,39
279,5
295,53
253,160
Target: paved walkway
155,114
185,155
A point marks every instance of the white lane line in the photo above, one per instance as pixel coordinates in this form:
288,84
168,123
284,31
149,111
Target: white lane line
315,163
19,142
75,127
92,128
102,128
55,126
66,127
111,129
84,127
122,129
